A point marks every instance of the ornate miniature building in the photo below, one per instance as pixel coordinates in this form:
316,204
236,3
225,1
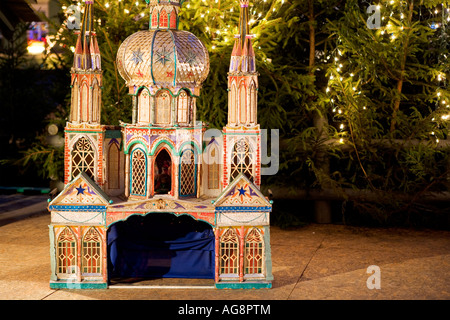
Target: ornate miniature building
159,197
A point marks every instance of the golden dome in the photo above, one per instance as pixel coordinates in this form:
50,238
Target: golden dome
163,58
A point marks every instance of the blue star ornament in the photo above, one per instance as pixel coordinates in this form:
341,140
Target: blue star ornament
80,190
242,191
163,56
137,56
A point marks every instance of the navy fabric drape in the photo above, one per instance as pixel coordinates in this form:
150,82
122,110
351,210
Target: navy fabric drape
161,246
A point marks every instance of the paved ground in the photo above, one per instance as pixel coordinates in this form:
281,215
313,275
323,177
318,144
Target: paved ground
319,262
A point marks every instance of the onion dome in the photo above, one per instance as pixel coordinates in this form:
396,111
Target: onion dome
163,56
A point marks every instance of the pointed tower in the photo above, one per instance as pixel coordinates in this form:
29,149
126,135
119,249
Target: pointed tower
83,132
242,133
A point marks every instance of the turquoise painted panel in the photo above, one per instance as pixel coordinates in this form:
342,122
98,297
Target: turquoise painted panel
78,285
243,285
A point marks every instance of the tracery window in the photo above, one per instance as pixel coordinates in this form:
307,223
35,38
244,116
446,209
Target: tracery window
254,248
163,107
92,253
163,19
66,252
138,174
241,160
83,158
229,253
187,174
183,104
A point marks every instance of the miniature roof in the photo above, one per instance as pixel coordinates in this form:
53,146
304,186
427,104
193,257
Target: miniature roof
242,195
81,194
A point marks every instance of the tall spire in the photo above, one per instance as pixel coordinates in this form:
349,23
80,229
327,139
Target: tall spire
243,55
87,53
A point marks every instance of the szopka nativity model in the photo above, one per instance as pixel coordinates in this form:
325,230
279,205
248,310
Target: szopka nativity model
158,197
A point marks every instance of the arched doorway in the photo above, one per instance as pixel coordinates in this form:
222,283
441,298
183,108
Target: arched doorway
162,169
160,245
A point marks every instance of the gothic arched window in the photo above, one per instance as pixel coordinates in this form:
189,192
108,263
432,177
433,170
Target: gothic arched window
113,166
91,253
144,106
229,253
163,102
242,104
84,102
74,108
188,172
213,168
173,19
252,103
233,104
183,106
163,19
66,252
138,173
155,18
241,160
254,252
83,158
96,101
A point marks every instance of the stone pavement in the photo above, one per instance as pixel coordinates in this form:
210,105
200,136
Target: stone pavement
318,262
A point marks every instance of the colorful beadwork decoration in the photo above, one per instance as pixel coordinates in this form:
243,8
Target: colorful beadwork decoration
162,163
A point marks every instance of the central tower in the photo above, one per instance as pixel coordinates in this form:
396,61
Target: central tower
163,68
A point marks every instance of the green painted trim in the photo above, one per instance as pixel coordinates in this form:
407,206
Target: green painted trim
78,285
243,285
151,57
172,147
52,253
133,143
268,253
197,148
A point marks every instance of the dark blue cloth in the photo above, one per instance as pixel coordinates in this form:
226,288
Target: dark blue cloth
161,246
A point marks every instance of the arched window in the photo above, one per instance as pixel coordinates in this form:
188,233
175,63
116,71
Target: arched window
213,168
173,19
163,102
74,108
241,160
83,158
254,252
229,253
155,18
233,104
66,255
188,172
113,166
91,253
242,104
96,103
138,173
252,103
144,106
84,102
183,104
163,19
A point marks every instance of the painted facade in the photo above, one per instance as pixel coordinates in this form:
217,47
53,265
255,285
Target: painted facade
162,161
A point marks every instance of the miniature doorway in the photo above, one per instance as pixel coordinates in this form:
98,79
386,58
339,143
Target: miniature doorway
160,245
162,173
